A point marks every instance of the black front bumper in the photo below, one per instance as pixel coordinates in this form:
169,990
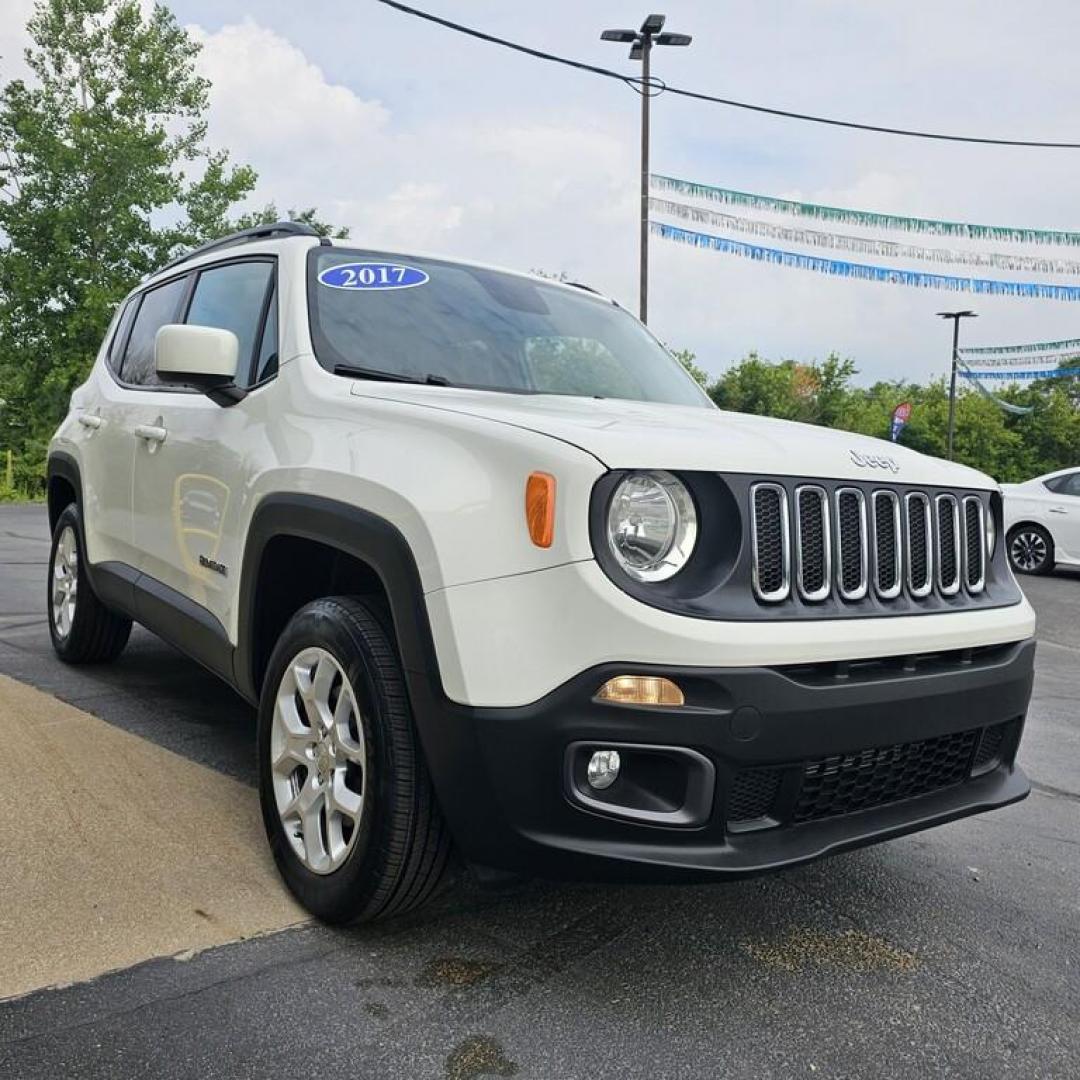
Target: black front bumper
762,768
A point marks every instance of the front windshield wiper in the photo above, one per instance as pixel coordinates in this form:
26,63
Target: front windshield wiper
355,372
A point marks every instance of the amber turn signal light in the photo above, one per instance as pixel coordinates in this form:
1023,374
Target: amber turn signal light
641,690
540,508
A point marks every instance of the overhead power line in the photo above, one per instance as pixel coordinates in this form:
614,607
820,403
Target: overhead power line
657,86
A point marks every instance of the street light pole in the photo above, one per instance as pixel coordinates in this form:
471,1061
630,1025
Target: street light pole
641,44
643,262
956,316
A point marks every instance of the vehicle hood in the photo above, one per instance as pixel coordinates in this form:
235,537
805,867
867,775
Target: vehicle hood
642,435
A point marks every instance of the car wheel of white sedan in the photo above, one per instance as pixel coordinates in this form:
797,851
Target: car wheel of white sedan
1031,550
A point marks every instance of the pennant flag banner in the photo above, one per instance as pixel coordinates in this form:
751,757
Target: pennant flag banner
893,222
860,244
1005,406
863,271
1034,347
1050,373
1022,359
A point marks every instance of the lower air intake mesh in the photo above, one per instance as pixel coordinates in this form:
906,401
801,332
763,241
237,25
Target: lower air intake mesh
850,782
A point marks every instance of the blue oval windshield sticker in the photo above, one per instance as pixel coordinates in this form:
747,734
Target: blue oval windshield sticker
372,275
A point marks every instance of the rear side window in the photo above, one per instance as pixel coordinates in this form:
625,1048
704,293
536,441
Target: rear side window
1069,485
158,307
123,325
235,297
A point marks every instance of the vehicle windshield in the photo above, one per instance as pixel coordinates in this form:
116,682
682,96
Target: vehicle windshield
441,322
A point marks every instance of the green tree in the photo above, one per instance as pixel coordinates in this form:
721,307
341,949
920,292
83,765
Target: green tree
104,174
758,386
688,360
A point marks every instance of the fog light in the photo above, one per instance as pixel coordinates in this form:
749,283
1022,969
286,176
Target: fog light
641,690
603,769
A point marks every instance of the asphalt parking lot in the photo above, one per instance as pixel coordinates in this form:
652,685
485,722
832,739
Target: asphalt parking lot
949,953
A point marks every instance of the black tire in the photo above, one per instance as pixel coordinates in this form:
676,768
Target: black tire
1031,549
401,855
94,633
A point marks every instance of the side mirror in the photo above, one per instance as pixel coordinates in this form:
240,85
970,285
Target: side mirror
200,356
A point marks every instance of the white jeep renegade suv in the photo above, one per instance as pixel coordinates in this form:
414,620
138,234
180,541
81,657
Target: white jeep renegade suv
503,582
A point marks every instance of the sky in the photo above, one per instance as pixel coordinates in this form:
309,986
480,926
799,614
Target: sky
421,139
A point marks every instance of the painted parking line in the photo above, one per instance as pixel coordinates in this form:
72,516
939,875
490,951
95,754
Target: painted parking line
115,850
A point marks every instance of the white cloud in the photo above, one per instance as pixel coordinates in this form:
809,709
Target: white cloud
480,188
267,93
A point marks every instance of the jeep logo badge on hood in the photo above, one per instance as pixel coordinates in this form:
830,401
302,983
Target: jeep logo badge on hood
874,461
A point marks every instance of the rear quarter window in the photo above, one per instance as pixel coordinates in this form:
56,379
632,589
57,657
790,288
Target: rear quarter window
120,334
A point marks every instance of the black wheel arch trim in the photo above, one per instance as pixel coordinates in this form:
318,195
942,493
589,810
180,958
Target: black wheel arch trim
64,466
354,531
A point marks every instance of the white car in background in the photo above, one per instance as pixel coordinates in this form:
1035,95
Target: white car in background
1042,522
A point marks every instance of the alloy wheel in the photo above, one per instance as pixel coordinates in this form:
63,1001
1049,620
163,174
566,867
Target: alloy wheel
318,760
65,582
1028,551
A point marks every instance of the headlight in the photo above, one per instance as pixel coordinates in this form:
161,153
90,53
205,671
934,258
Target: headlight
991,533
652,525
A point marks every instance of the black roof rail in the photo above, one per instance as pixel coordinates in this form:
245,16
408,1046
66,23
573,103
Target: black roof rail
245,236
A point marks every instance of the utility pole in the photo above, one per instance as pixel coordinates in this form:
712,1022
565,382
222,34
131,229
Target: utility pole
956,316
641,44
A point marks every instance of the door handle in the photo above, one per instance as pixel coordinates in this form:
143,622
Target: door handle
89,420
150,433
1058,510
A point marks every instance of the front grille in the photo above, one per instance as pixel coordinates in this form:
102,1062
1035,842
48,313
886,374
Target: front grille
865,544
919,544
812,542
851,782
851,542
771,542
974,528
886,544
948,545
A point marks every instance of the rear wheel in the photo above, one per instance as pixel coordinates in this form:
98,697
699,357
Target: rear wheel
83,629
1031,550
347,802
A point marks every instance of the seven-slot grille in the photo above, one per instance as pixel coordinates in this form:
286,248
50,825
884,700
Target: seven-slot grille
815,542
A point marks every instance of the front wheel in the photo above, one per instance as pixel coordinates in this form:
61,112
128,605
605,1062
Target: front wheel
1031,550
347,801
